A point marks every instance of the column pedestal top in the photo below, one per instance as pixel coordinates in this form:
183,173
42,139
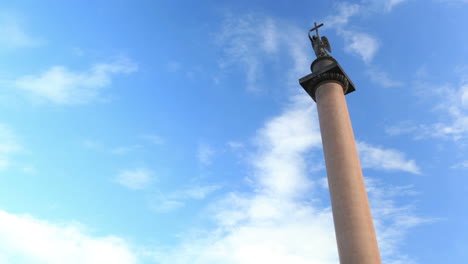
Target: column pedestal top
326,69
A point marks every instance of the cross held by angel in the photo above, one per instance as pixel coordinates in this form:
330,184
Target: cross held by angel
320,45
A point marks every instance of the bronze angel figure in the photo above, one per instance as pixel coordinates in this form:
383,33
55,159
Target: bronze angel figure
319,44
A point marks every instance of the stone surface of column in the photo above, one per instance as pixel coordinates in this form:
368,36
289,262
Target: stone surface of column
354,228
351,213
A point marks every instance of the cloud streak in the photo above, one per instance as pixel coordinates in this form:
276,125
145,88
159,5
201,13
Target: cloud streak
358,43
168,202
382,78
13,34
60,85
243,40
386,159
135,179
9,146
205,153
453,111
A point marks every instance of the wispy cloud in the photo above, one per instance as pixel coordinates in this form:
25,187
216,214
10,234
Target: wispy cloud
362,44
92,144
382,78
390,4
143,142
235,145
380,6
463,164
244,38
62,86
453,1
387,159
356,42
254,42
13,33
205,153
154,139
345,11
392,220
168,202
26,239
135,179
125,149
455,106
453,111
8,146
198,192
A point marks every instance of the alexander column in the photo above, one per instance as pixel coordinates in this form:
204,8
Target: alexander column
327,85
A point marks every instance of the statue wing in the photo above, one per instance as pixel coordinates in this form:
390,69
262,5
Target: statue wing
326,44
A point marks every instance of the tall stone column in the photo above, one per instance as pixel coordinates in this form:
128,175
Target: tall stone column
354,228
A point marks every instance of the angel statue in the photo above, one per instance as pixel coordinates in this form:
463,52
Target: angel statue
320,45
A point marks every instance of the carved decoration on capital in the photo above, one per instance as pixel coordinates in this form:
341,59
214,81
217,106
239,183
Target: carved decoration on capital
328,77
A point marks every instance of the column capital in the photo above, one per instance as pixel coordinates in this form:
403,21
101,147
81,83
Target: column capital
326,69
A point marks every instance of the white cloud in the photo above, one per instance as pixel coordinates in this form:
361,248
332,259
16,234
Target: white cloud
62,86
279,164
387,159
344,13
271,225
361,44
24,239
261,229
13,33
205,153
278,223
135,179
253,229
356,42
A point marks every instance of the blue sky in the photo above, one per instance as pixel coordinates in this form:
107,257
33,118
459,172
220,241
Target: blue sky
176,132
